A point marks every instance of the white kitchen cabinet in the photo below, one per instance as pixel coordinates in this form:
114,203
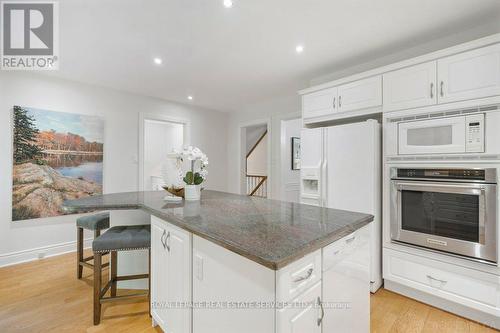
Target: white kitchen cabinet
361,94
170,276
224,280
410,87
319,103
469,75
306,319
158,275
462,286
230,293
346,283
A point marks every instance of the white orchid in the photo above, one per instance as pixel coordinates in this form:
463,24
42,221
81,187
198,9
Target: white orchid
192,154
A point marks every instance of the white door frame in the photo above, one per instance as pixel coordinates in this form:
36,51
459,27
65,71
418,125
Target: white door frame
279,146
143,117
242,155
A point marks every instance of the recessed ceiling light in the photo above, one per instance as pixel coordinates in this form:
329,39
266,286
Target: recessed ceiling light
299,48
228,3
158,61
190,97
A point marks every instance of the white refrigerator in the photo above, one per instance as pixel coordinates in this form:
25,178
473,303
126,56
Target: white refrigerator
341,169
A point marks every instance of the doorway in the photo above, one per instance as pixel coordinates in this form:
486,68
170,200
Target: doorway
158,138
255,162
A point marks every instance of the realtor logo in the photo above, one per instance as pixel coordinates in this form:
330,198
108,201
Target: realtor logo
29,35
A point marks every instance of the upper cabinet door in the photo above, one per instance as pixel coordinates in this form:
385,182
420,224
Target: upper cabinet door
319,103
362,94
410,87
469,75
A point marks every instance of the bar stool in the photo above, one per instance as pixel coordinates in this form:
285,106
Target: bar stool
120,238
96,223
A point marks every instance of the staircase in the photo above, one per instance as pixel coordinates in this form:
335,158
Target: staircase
256,184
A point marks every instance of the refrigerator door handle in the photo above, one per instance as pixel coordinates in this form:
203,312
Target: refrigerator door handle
323,185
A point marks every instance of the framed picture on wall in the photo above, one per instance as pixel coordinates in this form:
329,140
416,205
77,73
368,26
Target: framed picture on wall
57,156
295,153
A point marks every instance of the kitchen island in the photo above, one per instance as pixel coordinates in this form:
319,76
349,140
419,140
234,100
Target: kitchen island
233,263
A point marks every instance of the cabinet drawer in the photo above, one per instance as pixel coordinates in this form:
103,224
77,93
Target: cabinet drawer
295,278
339,250
462,285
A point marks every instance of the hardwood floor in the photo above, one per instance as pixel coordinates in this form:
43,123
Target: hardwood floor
391,312
45,296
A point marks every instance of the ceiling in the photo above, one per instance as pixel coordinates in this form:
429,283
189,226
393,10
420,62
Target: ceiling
227,58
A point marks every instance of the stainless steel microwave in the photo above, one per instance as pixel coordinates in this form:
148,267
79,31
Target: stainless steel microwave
449,210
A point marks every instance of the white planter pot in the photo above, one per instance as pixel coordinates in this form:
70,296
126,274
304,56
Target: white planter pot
192,192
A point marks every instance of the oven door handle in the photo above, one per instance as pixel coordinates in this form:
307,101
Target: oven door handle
472,189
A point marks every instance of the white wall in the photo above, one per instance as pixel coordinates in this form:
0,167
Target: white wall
24,239
290,179
271,111
257,161
253,134
159,139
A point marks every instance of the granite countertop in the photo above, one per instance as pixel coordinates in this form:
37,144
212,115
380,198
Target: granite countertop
270,232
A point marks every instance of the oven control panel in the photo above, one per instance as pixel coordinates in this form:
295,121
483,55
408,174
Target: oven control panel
474,141
472,174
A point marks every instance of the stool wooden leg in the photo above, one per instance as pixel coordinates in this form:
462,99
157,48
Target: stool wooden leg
79,252
97,288
114,264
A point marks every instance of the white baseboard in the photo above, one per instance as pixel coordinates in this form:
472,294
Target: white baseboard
14,258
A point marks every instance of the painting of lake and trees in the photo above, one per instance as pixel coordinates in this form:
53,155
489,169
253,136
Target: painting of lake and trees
57,156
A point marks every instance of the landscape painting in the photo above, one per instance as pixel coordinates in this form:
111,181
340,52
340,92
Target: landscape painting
58,156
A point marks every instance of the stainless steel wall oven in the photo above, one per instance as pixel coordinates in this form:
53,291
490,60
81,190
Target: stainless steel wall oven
451,210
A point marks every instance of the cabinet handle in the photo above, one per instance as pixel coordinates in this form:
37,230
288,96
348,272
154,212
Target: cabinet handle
434,279
305,277
320,319
442,91
167,242
334,102
432,89
349,240
162,241
340,101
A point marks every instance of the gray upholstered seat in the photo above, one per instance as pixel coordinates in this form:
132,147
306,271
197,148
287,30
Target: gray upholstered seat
129,237
94,222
